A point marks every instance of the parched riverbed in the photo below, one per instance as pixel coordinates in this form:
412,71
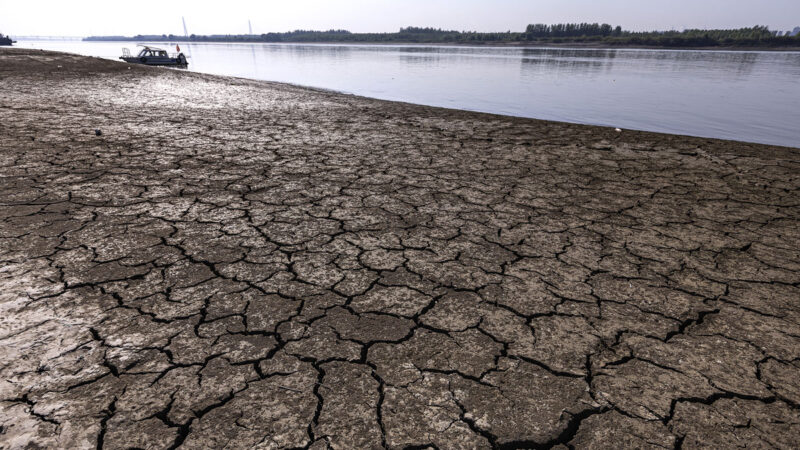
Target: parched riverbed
237,264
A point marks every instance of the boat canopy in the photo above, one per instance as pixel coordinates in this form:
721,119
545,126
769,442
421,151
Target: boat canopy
147,47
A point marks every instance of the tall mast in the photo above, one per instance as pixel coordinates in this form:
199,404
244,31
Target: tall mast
250,26
185,33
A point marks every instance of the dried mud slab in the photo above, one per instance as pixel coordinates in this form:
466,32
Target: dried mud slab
241,264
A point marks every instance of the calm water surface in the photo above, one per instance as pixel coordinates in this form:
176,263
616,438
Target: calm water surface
746,96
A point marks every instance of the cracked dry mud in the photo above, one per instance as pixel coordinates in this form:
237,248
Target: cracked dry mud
242,264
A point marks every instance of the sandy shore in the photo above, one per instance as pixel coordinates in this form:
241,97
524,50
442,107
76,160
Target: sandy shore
240,264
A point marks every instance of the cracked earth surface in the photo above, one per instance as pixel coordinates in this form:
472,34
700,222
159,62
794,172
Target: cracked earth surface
241,264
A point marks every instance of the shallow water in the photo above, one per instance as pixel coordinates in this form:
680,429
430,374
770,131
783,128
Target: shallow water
746,96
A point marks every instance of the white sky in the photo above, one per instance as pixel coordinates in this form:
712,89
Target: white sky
107,17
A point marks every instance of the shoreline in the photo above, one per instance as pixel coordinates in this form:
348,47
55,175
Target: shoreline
334,91
578,46
198,260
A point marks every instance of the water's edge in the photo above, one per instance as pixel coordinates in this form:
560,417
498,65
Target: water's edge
740,96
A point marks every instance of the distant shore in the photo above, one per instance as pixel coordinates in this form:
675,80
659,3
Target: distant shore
535,35
566,45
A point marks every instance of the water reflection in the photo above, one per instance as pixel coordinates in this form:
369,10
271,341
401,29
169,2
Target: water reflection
570,53
422,58
586,66
718,63
751,96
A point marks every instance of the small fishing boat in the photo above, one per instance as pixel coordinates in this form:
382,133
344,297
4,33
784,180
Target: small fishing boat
153,56
5,40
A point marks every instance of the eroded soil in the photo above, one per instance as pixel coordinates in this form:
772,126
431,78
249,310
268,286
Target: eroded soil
243,264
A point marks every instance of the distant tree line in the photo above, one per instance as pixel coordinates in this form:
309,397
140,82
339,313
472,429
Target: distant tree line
756,36
540,30
605,34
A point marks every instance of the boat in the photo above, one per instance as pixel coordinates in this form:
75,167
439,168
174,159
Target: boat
153,56
6,40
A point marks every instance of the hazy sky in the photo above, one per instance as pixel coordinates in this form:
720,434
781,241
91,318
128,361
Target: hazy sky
107,17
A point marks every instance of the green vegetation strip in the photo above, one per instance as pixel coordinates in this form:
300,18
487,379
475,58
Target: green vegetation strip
582,33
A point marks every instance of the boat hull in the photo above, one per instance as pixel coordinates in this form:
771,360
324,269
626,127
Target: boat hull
156,61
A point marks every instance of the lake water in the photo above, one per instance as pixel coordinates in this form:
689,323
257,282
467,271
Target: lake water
746,96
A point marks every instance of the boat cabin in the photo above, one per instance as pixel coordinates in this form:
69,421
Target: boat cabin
152,52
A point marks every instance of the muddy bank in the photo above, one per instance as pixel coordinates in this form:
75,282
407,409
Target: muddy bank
248,264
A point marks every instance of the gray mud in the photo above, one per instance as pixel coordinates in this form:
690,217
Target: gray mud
240,264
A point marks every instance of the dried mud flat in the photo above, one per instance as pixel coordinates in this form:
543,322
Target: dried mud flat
241,264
